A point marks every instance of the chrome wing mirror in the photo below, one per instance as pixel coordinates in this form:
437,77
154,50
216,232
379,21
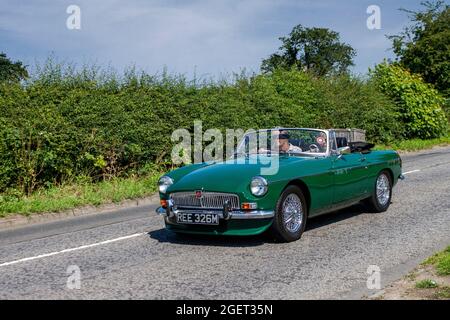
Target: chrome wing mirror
343,150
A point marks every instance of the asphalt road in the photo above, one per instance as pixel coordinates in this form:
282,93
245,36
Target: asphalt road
128,255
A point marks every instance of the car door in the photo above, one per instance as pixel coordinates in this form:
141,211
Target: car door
350,174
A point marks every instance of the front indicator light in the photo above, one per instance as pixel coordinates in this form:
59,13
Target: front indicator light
249,206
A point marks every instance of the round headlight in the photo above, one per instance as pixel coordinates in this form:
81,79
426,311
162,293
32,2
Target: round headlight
163,183
258,186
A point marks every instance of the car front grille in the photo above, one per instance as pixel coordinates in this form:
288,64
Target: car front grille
208,200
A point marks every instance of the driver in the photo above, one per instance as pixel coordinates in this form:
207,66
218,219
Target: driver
284,145
321,143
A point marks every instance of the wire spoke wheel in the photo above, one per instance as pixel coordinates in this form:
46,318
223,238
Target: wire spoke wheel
383,189
291,215
292,212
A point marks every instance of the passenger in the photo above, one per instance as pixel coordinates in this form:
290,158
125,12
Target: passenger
284,145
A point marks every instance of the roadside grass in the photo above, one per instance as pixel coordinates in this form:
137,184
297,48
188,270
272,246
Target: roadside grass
426,284
415,144
443,293
429,280
441,261
55,199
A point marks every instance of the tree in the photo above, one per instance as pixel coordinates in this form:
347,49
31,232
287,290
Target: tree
317,50
424,46
11,71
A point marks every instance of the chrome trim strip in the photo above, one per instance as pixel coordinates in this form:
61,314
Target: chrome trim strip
253,214
238,215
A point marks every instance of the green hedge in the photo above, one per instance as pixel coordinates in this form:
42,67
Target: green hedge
420,106
60,127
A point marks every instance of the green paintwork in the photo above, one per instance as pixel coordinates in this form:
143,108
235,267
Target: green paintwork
332,183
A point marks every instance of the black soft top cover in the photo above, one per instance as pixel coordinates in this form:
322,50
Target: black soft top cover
360,146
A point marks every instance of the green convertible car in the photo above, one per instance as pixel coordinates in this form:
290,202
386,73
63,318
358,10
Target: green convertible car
276,180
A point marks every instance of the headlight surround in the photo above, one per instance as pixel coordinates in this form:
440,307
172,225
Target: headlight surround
163,183
258,186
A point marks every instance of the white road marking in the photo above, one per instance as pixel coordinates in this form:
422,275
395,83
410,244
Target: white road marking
407,172
70,250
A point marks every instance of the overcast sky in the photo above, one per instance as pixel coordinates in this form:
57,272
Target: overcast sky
212,37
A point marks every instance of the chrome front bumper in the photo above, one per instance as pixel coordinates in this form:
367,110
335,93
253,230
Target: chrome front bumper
250,214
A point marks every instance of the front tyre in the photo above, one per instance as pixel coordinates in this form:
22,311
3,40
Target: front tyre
290,216
382,193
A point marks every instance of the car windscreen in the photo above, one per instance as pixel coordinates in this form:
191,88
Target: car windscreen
294,142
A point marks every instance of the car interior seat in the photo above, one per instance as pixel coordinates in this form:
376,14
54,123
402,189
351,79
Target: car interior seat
296,142
341,142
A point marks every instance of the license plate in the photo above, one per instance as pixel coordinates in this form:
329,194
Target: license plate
198,218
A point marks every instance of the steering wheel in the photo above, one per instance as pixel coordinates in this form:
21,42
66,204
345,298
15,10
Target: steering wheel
314,148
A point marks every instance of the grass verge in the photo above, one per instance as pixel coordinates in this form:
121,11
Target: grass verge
415,144
426,284
443,293
65,197
441,261
429,280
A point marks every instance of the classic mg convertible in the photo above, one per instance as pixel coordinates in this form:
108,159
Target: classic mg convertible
313,172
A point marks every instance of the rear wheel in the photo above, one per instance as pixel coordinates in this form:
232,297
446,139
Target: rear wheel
382,193
290,216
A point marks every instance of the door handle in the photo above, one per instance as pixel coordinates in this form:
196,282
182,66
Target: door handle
362,159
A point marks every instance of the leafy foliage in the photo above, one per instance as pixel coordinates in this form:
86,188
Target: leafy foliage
419,105
11,71
317,50
424,46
